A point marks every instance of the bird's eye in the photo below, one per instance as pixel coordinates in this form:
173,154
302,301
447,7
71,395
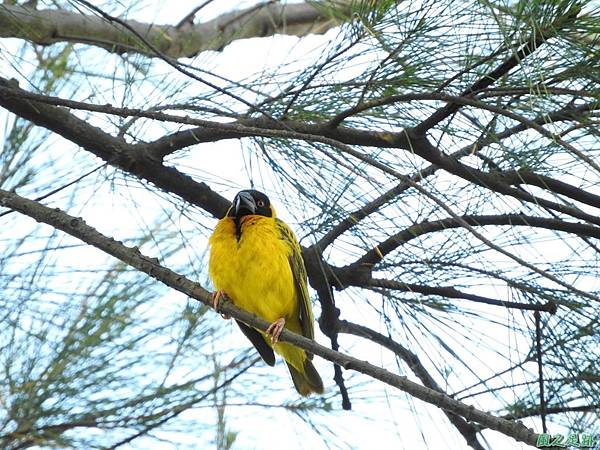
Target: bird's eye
260,203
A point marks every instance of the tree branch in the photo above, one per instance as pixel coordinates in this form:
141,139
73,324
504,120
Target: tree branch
98,419
212,131
525,176
320,278
451,292
49,26
113,150
341,137
492,181
553,410
76,227
392,243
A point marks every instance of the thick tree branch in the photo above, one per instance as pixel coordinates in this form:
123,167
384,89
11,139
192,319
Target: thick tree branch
78,228
114,151
209,132
320,278
213,131
49,26
282,128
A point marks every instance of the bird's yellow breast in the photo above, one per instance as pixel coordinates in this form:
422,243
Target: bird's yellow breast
254,271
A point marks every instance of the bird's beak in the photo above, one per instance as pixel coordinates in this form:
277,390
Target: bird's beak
244,204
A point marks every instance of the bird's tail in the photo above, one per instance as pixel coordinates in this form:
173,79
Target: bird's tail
308,380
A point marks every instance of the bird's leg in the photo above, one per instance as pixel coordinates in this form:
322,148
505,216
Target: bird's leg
275,329
216,298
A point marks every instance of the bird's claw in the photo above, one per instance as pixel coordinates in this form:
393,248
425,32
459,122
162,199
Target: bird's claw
216,298
275,330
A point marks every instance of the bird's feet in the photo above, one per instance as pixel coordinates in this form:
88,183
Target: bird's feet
275,329
216,298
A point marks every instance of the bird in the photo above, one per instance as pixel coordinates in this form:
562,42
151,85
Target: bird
256,261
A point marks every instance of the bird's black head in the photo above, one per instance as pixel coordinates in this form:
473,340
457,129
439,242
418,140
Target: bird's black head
250,202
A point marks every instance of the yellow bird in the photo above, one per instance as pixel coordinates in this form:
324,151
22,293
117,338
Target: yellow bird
256,261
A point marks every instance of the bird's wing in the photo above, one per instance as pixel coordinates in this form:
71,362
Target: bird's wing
299,272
